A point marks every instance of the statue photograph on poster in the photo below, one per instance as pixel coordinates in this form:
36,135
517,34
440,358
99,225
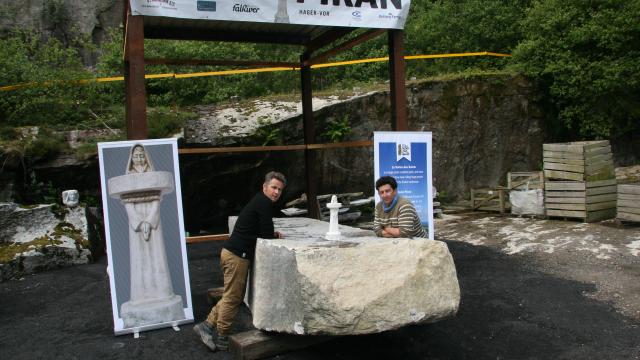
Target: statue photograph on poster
142,273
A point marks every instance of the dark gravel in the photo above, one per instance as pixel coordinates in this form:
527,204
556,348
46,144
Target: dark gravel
509,310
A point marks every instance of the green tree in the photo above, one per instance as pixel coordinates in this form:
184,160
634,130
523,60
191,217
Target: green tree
51,69
440,26
587,55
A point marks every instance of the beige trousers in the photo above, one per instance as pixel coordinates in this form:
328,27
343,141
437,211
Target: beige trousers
234,270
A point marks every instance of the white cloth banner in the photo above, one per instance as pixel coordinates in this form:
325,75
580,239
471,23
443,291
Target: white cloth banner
377,14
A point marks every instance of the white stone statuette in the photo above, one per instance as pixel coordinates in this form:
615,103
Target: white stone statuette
282,16
70,198
334,229
152,299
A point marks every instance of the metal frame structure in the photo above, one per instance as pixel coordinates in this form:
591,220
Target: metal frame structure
312,37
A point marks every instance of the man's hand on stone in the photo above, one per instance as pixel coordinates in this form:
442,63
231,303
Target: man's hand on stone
279,235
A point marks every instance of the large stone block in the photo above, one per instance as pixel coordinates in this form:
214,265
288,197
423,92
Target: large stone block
361,284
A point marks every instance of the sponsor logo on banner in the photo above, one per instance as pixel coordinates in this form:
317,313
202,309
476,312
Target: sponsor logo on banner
244,8
356,15
206,5
349,3
313,12
389,16
165,4
404,151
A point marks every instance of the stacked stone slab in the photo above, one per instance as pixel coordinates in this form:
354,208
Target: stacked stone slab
360,284
580,180
629,202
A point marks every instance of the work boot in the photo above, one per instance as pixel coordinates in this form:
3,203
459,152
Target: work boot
205,331
222,342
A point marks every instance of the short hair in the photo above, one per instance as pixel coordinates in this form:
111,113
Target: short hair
386,180
275,175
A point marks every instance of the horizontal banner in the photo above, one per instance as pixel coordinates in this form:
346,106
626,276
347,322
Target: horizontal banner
375,14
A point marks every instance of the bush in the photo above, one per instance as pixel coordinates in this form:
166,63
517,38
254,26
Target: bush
586,54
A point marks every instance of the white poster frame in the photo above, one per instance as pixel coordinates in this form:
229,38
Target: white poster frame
425,195
110,156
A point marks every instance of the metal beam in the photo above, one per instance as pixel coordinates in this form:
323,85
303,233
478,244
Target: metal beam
169,33
397,81
368,35
310,156
196,62
327,38
136,98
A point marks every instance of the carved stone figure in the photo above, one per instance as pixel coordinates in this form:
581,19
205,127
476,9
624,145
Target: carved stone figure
70,198
140,190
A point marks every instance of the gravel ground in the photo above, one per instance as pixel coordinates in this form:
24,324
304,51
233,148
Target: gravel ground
531,289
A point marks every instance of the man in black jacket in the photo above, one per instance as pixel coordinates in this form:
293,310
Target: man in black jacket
255,221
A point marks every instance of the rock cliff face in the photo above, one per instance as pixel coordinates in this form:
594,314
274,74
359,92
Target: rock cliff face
482,129
63,18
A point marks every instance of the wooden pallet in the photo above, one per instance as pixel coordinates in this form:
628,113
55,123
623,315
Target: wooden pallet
579,161
589,201
256,344
525,180
628,208
494,199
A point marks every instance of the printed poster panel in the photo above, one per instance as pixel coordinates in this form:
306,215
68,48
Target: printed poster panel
407,157
146,248
376,14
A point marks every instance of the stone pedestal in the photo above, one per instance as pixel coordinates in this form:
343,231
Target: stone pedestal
152,311
359,285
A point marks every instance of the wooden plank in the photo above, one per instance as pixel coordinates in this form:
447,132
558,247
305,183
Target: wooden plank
212,150
599,150
564,161
601,215
564,167
522,180
586,216
564,200
565,175
601,198
598,163
562,155
589,192
581,206
629,204
631,210
632,197
207,238
629,189
628,216
256,344
567,213
599,183
611,189
604,175
565,185
564,147
565,194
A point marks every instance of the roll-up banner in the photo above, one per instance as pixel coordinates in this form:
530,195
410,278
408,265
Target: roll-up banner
406,156
376,14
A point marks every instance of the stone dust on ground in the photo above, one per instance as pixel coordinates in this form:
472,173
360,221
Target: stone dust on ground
530,289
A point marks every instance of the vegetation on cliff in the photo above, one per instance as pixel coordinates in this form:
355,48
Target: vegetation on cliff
585,55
